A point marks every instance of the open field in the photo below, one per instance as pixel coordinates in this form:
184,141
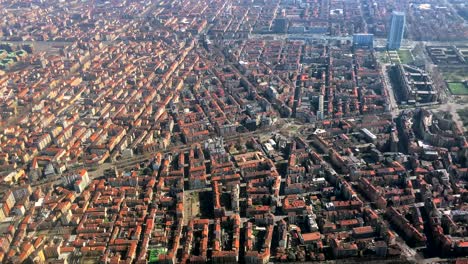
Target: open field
405,56
458,88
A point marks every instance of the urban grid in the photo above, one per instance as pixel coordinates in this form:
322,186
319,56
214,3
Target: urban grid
233,131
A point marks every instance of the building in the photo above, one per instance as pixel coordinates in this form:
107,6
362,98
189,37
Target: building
281,25
397,30
415,85
320,115
363,41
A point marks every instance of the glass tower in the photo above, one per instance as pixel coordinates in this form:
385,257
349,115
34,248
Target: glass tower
397,30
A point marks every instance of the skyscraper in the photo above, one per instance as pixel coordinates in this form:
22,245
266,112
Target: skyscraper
397,30
320,107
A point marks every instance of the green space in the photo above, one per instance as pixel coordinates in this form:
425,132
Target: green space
405,56
154,254
255,232
293,128
458,88
455,75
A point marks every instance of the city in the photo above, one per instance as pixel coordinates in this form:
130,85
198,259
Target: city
233,131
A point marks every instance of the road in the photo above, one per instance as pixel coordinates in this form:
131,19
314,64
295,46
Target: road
393,106
299,36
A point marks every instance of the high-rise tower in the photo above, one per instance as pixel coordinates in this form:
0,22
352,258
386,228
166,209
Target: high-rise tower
397,30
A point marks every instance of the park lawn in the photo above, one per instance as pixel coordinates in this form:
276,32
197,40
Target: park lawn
405,56
458,88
